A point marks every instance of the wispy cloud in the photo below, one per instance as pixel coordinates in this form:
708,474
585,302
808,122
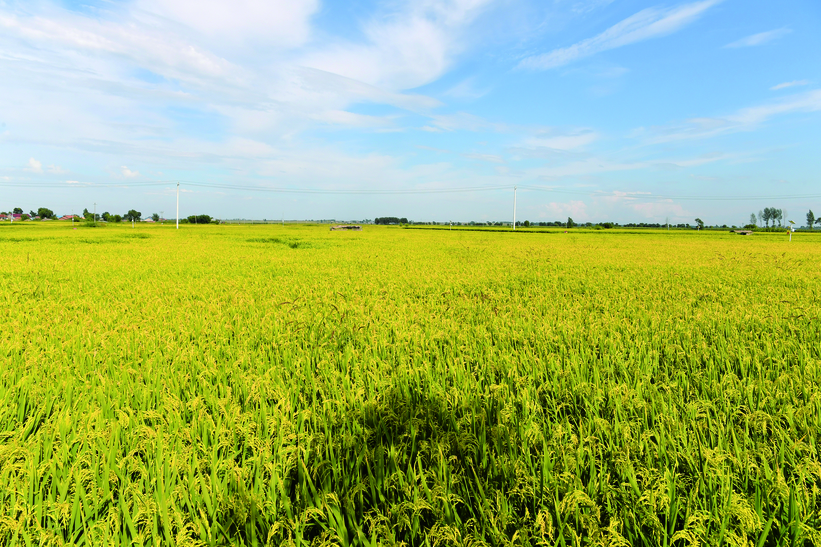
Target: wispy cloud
406,49
492,158
282,23
760,38
646,24
745,119
562,142
466,89
789,84
461,121
574,208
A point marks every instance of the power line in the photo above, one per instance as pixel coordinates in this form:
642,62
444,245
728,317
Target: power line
633,196
649,196
281,190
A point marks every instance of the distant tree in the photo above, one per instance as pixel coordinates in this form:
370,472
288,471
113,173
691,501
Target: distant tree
155,217
32,214
117,218
527,224
86,214
44,212
132,215
390,220
24,216
199,219
700,223
17,211
765,217
810,219
752,219
107,216
778,215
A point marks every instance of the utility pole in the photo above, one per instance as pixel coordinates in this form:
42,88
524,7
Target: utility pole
178,205
514,207
162,219
95,214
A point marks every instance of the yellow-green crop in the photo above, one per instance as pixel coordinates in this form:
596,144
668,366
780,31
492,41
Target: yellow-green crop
256,385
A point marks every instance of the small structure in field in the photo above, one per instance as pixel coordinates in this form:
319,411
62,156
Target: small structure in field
346,227
744,232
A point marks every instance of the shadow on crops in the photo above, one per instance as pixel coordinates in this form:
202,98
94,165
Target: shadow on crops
137,235
402,467
278,241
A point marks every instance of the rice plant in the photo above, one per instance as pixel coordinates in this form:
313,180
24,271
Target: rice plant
269,385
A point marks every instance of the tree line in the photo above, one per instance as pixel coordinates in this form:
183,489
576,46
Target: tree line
42,212
129,216
772,215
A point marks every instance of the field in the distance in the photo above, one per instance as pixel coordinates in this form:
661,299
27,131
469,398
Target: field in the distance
258,385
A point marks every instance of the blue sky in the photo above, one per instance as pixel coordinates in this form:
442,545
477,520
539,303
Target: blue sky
618,110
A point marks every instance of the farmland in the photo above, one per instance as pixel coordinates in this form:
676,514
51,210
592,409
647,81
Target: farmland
276,385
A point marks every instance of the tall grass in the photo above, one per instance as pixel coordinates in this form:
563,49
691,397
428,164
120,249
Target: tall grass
289,386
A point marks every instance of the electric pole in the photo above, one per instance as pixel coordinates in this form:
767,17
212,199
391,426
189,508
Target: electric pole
514,207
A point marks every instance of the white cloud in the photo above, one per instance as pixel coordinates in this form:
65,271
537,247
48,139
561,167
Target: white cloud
590,166
283,23
96,59
493,158
466,89
35,166
554,210
789,84
646,24
461,121
350,119
760,38
745,119
404,49
804,102
563,142
658,210
129,174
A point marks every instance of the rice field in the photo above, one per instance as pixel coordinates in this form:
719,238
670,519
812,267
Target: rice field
287,385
